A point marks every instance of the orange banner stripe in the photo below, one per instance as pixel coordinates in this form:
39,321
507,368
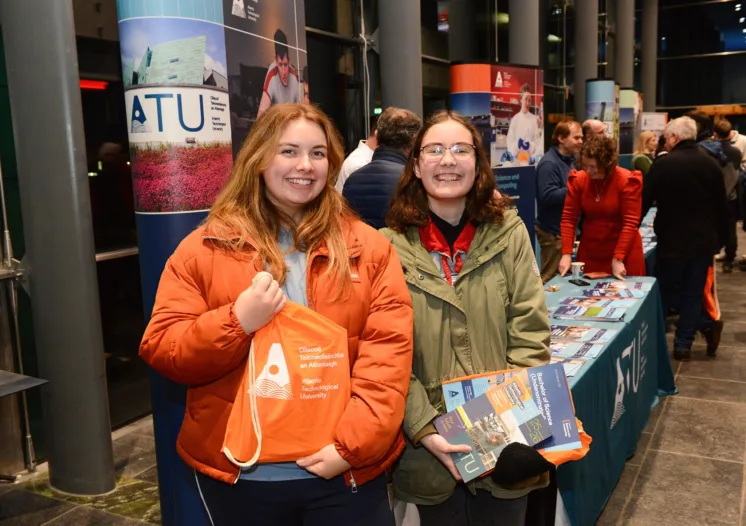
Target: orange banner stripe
471,78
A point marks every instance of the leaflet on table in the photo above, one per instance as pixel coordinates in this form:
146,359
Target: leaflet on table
575,350
505,414
572,312
633,285
549,387
599,302
582,333
570,366
614,293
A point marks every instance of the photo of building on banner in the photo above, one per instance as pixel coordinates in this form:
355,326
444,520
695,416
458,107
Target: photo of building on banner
176,97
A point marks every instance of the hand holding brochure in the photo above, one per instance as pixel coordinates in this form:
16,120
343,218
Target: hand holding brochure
549,390
505,414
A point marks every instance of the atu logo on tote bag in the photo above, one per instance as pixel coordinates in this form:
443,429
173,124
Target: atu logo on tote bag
290,409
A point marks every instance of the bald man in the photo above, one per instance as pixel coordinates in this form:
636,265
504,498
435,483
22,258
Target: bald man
593,128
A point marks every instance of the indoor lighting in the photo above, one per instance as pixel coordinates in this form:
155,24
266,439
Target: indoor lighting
553,38
742,20
377,111
743,30
738,7
98,85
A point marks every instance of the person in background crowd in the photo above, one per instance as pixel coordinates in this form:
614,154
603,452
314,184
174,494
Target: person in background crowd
359,157
369,189
281,84
722,132
551,190
593,128
690,224
647,142
479,306
279,212
660,151
610,199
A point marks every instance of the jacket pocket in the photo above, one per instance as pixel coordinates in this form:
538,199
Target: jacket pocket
420,478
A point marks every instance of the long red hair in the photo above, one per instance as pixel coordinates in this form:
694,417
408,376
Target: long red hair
243,215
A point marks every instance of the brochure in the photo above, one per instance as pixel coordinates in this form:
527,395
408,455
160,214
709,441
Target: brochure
505,414
570,366
632,285
599,302
575,350
550,389
572,312
614,293
582,333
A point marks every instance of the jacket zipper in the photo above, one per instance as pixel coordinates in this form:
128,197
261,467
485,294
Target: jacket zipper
353,484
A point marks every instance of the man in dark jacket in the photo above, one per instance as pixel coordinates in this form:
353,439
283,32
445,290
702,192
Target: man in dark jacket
369,189
722,133
728,157
551,190
690,224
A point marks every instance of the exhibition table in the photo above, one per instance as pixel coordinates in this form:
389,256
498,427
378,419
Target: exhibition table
613,395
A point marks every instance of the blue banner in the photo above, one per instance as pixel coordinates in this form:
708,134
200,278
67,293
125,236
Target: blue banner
196,74
519,183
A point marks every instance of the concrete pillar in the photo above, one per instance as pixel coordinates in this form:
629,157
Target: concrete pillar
400,48
586,50
524,32
625,43
610,71
45,105
650,54
462,37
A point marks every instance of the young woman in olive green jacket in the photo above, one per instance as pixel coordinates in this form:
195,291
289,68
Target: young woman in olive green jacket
479,306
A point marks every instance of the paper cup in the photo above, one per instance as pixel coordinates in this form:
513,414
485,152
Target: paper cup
577,269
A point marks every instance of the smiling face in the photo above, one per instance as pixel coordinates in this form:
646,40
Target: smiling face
298,172
447,178
652,144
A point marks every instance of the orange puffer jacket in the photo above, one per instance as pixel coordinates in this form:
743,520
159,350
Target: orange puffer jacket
194,338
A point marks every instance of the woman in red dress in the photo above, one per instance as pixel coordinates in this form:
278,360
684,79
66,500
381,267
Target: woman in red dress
610,199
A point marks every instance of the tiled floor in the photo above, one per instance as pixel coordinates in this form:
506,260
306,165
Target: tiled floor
135,501
690,467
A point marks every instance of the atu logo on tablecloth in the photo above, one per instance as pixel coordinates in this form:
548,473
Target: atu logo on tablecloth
630,369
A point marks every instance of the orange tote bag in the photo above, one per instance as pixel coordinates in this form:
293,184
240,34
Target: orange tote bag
296,387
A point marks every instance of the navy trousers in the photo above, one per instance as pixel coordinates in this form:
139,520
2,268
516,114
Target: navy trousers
304,502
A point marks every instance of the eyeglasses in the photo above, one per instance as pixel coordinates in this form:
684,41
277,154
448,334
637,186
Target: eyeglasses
460,150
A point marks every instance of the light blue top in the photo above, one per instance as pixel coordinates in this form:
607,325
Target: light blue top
295,290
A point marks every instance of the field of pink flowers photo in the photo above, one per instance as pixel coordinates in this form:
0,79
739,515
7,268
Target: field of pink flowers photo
175,178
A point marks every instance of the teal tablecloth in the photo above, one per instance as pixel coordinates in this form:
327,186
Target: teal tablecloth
613,396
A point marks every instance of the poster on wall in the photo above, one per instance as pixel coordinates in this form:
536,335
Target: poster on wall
602,103
630,106
655,122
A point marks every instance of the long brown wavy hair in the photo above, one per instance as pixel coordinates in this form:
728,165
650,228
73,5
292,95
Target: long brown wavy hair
409,206
243,216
